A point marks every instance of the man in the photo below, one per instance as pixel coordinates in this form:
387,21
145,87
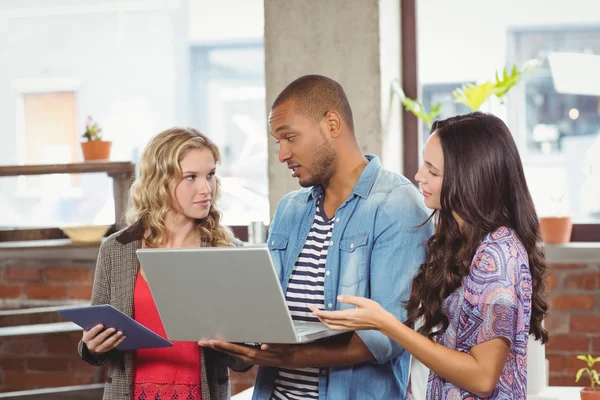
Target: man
352,229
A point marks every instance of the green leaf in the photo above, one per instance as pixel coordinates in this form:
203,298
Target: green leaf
579,373
414,106
596,360
502,86
583,358
473,96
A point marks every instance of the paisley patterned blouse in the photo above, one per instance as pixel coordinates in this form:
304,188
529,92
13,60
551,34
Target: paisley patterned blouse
494,301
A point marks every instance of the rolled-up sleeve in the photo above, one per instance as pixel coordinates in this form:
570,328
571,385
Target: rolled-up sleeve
399,249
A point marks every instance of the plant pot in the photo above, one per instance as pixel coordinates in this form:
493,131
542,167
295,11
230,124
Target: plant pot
96,150
556,230
589,394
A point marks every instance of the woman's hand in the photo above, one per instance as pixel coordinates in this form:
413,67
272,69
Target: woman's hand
368,314
98,341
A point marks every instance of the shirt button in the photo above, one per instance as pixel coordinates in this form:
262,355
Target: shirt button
331,243
328,273
352,245
337,219
323,372
330,305
272,243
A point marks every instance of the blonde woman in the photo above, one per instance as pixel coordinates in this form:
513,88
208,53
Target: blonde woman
172,205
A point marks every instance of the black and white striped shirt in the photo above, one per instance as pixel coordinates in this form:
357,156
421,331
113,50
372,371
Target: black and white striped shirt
306,288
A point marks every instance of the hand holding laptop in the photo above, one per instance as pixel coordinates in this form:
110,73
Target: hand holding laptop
272,355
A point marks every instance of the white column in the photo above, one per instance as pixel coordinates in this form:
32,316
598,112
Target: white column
355,42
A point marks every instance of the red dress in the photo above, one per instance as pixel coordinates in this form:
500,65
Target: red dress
165,373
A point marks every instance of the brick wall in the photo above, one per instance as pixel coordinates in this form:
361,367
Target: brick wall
44,361
50,282
51,360
573,320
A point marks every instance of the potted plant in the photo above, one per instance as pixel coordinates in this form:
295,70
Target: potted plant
94,148
591,392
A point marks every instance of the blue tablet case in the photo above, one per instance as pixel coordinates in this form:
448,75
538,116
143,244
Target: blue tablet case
137,335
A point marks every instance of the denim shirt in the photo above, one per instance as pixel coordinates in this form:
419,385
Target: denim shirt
375,252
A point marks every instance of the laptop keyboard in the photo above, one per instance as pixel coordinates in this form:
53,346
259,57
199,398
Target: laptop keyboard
309,327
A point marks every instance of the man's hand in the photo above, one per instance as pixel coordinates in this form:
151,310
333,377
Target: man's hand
268,355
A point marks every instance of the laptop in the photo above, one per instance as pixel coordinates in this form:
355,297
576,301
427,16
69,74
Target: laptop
227,293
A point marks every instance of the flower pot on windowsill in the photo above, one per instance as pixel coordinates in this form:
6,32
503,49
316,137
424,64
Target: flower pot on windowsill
556,230
96,150
589,394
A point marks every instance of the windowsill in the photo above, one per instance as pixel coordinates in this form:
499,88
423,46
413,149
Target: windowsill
573,253
570,253
558,393
58,249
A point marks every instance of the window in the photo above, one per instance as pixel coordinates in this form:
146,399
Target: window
560,141
553,112
228,103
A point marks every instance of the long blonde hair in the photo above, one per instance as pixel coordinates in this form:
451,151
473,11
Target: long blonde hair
152,196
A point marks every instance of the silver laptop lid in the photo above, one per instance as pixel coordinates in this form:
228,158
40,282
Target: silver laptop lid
229,293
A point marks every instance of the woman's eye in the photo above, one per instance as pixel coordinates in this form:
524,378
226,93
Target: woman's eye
190,177
290,138
211,175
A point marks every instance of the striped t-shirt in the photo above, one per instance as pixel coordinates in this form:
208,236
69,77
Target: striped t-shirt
306,288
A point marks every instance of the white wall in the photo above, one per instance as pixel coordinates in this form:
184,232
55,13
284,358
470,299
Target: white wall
223,20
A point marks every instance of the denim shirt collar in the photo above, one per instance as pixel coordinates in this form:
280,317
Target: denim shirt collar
363,185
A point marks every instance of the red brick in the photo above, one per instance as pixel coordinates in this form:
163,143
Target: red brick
557,322
48,364
568,302
10,292
11,363
65,274
80,367
81,292
22,274
43,292
574,365
557,363
566,266
585,323
596,345
553,280
20,380
23,345
61,344
563,380
582,281
574,343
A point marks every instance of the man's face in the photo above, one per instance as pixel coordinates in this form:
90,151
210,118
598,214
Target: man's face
303,144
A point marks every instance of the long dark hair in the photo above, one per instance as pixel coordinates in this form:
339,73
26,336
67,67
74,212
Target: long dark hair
485,185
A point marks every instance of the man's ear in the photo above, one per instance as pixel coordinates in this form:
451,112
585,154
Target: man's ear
334,123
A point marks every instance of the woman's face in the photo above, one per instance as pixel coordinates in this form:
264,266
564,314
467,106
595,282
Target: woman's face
195,193
431,173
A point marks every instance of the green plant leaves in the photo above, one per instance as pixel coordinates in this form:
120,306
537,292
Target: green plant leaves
473,96
416,107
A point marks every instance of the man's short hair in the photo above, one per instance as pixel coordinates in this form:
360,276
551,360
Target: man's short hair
315,95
